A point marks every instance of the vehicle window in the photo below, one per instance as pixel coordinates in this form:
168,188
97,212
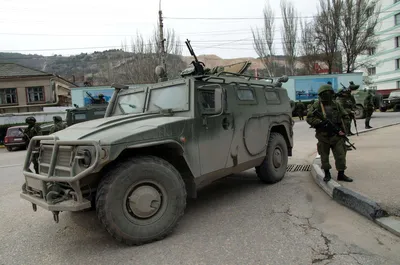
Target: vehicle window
130,103
395,94
207,100
100,113
245,94
272,97
80,116
15,132
172,97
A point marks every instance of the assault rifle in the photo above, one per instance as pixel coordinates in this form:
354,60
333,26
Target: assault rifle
331,127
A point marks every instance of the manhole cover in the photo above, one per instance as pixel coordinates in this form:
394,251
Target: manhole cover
295,168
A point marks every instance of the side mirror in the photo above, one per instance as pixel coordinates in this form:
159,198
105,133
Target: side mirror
219,101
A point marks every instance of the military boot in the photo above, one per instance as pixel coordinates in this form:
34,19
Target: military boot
367,123
342,177
327,175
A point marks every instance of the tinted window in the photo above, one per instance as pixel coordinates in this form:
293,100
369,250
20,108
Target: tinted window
80,116
245,94
100,113
207,100
271,96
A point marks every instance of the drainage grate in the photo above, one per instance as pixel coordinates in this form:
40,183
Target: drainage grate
295,168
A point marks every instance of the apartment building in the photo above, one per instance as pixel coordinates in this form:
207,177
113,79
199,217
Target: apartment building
23,89
383,62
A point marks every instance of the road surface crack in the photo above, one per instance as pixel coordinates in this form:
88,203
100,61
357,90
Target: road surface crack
326,254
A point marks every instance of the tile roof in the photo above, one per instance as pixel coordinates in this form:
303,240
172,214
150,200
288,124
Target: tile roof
16,70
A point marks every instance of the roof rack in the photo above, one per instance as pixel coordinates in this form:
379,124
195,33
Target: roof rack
248,76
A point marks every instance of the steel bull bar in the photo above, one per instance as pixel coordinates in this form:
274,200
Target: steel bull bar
39,180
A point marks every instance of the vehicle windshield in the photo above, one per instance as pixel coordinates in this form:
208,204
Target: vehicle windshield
394,94
130,103
175,98
14,132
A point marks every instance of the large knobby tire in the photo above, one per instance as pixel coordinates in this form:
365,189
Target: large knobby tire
141,200
274,166
359,112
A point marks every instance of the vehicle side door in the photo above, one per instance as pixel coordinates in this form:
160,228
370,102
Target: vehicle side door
215,129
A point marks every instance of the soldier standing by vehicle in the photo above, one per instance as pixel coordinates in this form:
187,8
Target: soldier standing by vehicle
300,108
328,140
58,125
347,100
369,108
31,131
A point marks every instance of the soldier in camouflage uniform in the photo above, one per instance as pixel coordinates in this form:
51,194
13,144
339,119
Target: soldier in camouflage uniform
58,125
31,131
346,99
328,140
300,108
369,108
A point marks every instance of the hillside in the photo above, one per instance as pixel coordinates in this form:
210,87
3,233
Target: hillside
103,66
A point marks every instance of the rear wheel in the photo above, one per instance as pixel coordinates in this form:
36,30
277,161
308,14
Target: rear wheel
9,149
359,112
141,200
273,168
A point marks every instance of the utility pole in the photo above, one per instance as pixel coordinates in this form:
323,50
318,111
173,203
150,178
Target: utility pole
162,41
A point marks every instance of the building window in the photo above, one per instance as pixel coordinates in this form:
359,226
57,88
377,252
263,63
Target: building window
35,94
8,96
397,42
397,19
372,71
397,64
371,51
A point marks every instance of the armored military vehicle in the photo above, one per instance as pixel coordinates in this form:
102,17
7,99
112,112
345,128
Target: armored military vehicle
158,145
359,96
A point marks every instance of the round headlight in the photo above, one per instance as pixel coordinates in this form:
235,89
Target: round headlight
87,158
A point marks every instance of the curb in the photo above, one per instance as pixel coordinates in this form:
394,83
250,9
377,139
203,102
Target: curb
354,200
380,127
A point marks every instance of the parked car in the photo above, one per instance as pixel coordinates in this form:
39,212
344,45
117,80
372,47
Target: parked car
393,101
15,138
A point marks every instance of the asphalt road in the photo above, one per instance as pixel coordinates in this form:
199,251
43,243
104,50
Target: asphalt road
237,220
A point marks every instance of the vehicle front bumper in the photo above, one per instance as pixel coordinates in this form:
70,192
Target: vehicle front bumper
38,186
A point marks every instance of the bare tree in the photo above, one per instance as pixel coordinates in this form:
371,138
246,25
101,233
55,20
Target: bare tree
356,28
263,40
140,58
289,31
309,47
326,32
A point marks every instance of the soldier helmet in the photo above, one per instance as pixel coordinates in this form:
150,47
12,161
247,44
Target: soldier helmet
329,83
57,118
324,88
101,96
351,83
30,119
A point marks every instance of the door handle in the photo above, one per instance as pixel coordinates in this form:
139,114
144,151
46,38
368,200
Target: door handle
225,123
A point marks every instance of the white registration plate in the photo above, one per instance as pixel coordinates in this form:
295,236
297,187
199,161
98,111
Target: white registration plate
17,139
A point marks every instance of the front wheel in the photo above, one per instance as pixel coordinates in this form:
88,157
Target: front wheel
141,200
273,168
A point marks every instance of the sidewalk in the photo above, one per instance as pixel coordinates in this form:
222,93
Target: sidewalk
374,167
